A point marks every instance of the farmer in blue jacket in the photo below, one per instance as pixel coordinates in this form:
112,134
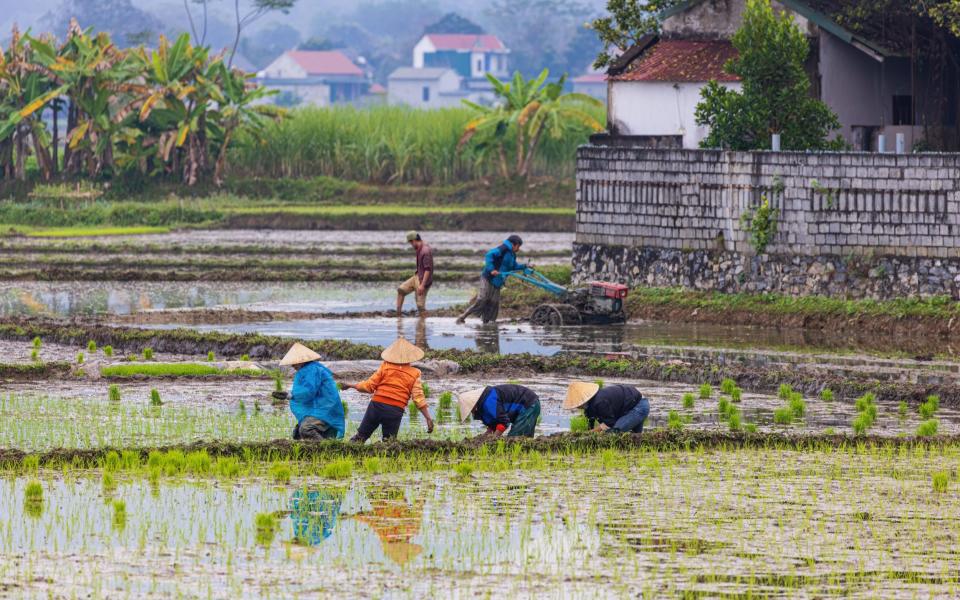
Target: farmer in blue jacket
502,407
497,262
314,399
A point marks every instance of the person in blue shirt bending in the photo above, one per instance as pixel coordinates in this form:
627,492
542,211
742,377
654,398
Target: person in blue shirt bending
496,264
314,398
500,407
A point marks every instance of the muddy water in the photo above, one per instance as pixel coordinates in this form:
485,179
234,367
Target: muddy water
757,523
121,298
459,240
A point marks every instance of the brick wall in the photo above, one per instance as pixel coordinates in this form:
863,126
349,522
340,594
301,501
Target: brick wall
848,224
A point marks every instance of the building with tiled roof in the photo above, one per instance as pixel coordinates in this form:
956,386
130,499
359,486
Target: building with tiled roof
316,77
866,76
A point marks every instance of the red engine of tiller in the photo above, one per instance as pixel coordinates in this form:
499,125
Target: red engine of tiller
608,290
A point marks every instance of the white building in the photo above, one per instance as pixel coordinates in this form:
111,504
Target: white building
425,88
471,56
319,78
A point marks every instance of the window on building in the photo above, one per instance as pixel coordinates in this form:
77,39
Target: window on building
426,94
903,110
480,64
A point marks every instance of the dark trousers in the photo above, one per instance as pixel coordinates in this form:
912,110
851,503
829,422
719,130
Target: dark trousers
385,416
526,422
311,428
486,305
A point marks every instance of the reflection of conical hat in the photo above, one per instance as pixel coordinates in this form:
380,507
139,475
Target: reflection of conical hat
467,401
401,552
579,393
402,352
299,354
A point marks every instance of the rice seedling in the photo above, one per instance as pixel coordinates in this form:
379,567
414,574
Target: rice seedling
199,462
227,467
750,427
91,346
132,358
723,407
706,391
37,343
727,386
860,424
338,469
266,528
464,470
599,382
174,463
930,407
941,481
80,358
734,419
903,409
155,397
108,482
154,459
111,461
674,422
736,395
35,355
426,390
119,513
148,354
784,391
211,356
797,405
113,393
346,407
30,464
783,416
373,465
278,382
108,351
245,357
243,408
826,395
280,473
446,400
33,492
688,400
928,428
579,423
130,460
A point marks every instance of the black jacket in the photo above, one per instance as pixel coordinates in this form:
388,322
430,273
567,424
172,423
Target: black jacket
611,403
505,406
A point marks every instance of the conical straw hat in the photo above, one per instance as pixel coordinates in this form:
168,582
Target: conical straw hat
298,354
467,401
402,352
579,393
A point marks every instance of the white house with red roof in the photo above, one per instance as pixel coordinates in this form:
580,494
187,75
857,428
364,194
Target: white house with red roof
315,77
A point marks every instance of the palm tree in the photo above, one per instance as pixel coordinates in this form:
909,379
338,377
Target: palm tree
527,110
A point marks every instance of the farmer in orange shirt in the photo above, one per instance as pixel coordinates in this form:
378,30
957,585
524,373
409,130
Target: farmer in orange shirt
392,386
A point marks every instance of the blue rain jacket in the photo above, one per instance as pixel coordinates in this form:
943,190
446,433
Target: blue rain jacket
315,394
500,259
502,404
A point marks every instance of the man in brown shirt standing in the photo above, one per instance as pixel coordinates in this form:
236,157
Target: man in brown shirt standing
421,281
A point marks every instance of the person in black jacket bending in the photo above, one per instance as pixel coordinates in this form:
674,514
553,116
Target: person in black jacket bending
500,407
617,408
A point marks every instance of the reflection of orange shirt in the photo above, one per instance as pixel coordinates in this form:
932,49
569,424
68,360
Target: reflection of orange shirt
392,521
394,384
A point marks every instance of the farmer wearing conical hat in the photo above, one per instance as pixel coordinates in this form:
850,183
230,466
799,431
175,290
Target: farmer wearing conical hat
314,398
392,386
500,407
614,408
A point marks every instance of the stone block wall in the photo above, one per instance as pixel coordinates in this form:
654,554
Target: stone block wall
848,224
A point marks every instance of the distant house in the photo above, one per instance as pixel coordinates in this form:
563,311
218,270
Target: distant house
472,56
867,79
591,84
434,87
319,78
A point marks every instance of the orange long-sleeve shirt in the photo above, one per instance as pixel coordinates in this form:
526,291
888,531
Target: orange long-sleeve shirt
395,384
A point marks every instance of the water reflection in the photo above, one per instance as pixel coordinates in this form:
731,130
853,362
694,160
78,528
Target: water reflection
314,514
396,521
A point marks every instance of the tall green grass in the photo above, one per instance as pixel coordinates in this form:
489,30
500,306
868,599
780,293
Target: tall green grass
384,144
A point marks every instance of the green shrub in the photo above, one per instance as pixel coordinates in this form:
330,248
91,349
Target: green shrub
706,391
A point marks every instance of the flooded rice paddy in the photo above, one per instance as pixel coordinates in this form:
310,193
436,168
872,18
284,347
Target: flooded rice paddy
736,523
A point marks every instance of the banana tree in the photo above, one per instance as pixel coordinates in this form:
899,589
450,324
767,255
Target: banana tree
238,107
525,111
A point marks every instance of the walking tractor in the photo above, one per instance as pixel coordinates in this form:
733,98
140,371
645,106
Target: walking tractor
598,303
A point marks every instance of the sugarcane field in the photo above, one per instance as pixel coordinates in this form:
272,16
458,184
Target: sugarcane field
489,299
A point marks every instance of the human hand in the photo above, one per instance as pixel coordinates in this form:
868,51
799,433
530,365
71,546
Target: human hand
495,273
280,395
429,425
348,386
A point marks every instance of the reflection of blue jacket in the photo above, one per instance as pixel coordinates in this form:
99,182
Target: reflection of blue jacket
500,259
314,515
315,394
